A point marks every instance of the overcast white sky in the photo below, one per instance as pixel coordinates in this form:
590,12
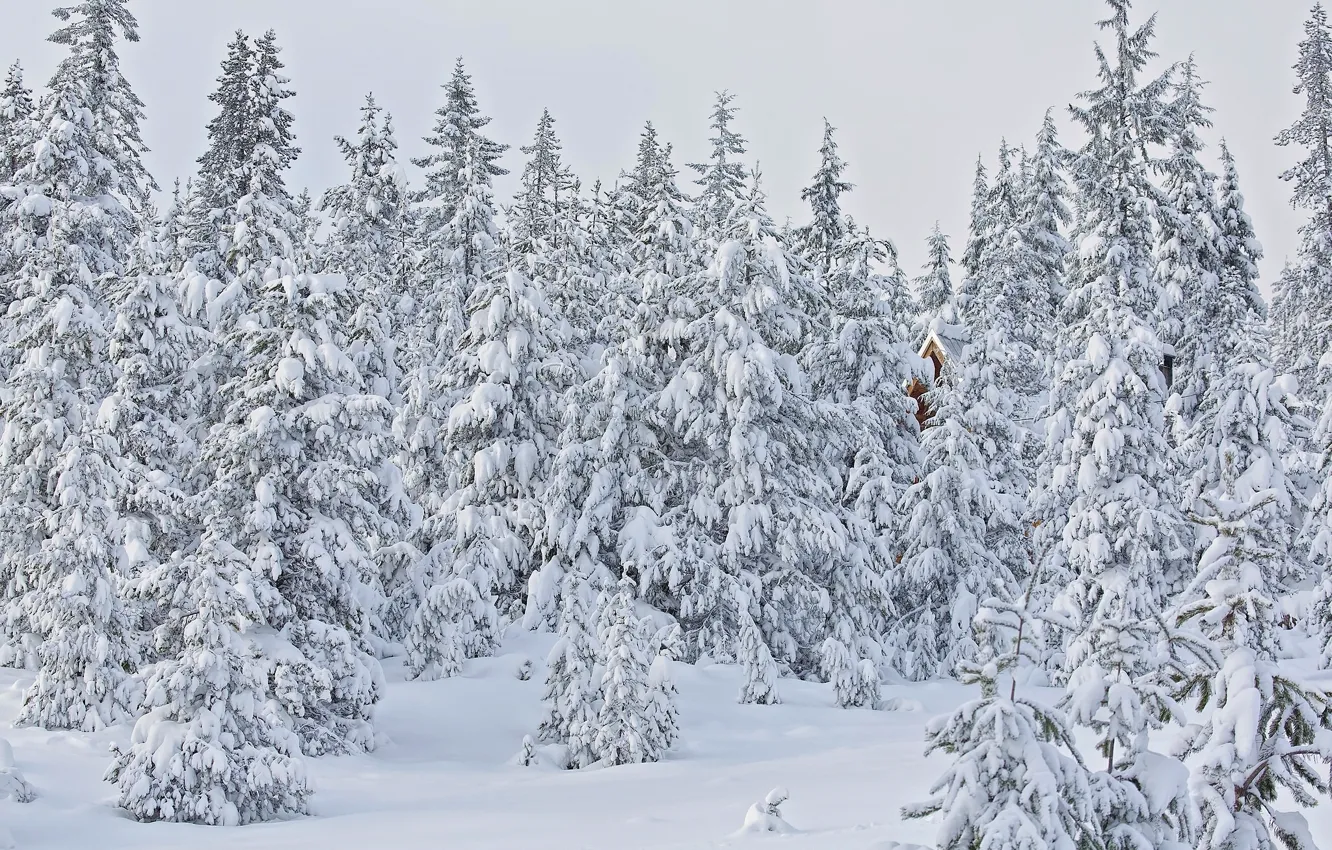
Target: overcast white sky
917,88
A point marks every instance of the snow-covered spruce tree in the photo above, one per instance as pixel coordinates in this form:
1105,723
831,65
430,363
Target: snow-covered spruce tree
624,733
17,133
153,402
250,145
605,495
818,240
605,477
1304,297
1317,531
213,748
1005,292
176,234
493,455
457,143
422,423
1261,732
70,226
1187,251
1112,485
860,367
546,192
722,179
964,541
1109,351
1017,779
934,288
572,691
86,647
369,243
254,211
664,231
578,284
16,125
1043,216
760,685
752,507
979,229
461,164
245,212
297,490
227,134
990,260
661,711
1246,421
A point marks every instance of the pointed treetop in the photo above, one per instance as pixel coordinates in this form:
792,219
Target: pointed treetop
722,178
820,237
934,288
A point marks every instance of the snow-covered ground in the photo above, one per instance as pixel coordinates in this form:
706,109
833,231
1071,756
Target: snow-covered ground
443,777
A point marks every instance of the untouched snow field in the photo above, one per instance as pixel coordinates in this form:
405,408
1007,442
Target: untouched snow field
443,777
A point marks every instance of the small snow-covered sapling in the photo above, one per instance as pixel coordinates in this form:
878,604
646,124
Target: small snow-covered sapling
766,815
12,784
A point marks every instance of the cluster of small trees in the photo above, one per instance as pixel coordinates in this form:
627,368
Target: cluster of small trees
254,442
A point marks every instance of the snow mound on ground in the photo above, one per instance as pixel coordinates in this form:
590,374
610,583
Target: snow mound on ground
766,815
901,704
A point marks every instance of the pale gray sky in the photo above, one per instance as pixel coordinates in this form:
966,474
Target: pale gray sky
916,87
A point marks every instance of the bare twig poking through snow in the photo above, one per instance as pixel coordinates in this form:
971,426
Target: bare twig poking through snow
12,784
766,816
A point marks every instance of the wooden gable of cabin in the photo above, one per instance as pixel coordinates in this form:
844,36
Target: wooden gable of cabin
938,350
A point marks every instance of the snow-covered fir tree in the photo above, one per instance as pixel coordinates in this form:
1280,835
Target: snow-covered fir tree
1017,779
547,191
253,209
760,685
422,422
860,366
979,229
630,726
16,124
1043,215
71,217
74,606
1187,253
606,493
369,242
151,409
178,229
1110,350
819,239
493,455
1247,420
754,513
212,748
934,287
1303,300
572,690
1261,733
456,140
964,542
721,180
246,209
1112,487
461,164
298,491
